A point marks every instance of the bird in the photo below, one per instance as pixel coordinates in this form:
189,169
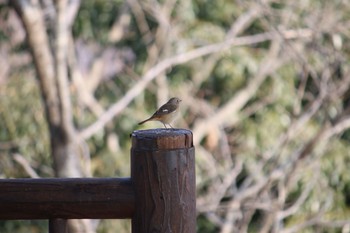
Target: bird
166,113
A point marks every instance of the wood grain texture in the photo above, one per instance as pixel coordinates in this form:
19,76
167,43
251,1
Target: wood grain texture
163,175
69,198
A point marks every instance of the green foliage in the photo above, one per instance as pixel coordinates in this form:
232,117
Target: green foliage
204,226
255,131
221,12
109,226
95,18
24,226
23,127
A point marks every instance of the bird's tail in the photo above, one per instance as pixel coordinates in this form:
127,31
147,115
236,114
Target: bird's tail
140,123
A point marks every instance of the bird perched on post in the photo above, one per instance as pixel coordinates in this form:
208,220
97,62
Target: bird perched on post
166,113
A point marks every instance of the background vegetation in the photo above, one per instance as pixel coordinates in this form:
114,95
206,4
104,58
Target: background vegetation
265,90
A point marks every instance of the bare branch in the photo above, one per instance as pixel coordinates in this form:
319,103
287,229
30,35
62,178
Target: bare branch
61,68
26,166
230,109
116,109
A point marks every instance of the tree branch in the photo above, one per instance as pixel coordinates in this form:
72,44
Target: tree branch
117,108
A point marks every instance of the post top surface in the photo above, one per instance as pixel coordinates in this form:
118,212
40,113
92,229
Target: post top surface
158,139
160,132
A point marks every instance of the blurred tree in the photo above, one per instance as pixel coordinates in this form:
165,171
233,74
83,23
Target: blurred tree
265,89
52,71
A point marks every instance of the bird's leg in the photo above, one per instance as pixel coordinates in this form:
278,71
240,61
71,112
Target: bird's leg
170,126
164,125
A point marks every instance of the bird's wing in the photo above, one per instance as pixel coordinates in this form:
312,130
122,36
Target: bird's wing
166,109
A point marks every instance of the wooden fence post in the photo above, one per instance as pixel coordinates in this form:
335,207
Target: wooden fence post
58,225
163,177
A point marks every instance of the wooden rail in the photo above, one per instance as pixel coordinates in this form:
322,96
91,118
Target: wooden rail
158,197
70,198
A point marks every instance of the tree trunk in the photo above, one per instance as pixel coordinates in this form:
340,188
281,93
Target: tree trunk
51,67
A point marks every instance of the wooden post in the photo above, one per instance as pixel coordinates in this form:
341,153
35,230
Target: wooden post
163,177
58,225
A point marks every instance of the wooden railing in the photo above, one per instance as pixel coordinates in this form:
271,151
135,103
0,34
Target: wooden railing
158,197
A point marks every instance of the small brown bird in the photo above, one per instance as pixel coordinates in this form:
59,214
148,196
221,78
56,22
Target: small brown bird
166,113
